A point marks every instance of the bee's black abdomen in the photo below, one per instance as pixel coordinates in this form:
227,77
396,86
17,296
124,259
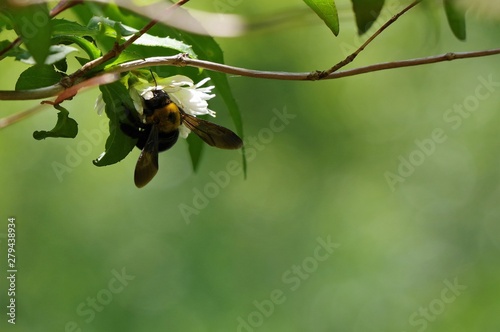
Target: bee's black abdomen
167,140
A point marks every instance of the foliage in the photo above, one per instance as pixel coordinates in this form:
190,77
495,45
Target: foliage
65,126
45,43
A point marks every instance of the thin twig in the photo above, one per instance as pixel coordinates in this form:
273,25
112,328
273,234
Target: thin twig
415,62
183,60
59,8
350,58
11,119
118,48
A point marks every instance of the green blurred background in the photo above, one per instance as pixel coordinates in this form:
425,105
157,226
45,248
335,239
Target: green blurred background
399,249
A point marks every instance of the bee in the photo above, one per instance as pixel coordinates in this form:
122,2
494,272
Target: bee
157,130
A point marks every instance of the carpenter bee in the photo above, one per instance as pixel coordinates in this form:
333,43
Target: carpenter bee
157,130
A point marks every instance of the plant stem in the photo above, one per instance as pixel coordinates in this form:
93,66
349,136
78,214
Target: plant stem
350,58
183,60
117,49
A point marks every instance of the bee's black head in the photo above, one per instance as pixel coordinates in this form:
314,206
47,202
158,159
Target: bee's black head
159,99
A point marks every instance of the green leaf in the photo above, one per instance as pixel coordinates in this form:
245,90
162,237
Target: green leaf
207,48
68,32
224,89
118,145
61,65
56,53
456,19
5,19
327,11
196,147
204,46
149,40
115,29
63,27
4,44
34,26
110,27
366,12
81,61
37,76
87,46
65,127
16,51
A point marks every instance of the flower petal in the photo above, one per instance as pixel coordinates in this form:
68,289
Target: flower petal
184,131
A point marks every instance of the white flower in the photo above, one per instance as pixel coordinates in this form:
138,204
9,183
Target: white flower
192,98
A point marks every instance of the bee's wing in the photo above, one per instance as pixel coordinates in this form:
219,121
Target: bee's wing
147,164
211,133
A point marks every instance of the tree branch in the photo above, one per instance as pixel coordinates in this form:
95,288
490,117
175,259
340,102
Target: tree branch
182,60
117,49
350,58
59,8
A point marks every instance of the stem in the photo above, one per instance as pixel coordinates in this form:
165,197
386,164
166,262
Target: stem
350,58
183,60
59,8
9,120
118,48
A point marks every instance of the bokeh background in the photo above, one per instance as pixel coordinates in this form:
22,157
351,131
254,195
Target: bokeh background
420,254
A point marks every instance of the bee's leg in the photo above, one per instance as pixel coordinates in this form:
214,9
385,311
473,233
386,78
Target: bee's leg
130,130
131,116
134,127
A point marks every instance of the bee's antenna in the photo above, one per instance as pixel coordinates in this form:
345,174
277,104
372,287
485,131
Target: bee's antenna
154,78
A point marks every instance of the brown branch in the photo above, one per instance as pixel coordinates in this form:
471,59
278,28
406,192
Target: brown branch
415,62
66,4
118,48
59,8
11,119
350,58
183,60
16,42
